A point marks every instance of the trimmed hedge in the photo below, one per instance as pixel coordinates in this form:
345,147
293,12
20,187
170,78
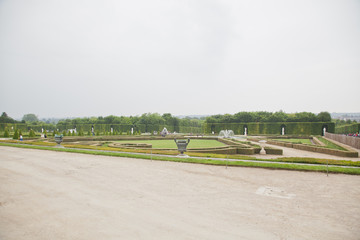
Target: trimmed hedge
273,151
295,128
346,129
315,149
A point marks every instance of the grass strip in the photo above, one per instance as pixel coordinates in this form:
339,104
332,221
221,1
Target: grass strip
331,145
204,155
317,168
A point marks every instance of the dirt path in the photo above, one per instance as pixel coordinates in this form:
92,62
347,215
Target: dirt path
54,195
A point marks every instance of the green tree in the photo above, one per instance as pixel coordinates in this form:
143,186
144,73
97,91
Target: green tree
4,118
30,118
324,117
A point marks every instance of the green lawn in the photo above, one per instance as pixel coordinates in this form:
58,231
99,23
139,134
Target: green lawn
296,140
194,143
331,144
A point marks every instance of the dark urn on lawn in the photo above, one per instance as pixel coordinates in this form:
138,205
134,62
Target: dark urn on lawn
182,144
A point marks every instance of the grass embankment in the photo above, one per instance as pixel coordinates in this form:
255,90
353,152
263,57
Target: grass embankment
194,143
327,143
331,144
296,141
261,164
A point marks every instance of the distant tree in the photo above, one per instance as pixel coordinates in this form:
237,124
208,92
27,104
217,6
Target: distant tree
4,118
278,117
324,117
244,117
30,118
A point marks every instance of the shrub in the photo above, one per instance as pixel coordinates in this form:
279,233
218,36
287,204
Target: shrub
16,134
32,133
64,133
6,133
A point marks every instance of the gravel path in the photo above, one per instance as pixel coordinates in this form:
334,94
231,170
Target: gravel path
55,195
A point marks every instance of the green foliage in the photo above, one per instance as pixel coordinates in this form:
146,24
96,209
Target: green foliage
4,118
30,118
291,128
6,133
16,134
250,117
346,129
324,117
64,133
32,133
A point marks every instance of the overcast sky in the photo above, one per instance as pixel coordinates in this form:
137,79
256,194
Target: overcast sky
70,58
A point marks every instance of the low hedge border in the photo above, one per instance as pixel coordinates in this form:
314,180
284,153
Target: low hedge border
317,149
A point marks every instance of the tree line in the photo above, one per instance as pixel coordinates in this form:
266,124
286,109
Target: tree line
167,119
261,116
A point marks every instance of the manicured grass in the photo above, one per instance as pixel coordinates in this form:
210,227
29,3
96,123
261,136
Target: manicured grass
194,143
331,144
261,164
296,140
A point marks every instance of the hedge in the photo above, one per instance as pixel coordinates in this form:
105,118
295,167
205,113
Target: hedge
299,128
254,128
346,129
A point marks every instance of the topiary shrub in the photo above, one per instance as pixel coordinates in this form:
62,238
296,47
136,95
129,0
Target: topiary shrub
6,133
32,133
16,134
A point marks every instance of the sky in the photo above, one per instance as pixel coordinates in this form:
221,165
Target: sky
72,58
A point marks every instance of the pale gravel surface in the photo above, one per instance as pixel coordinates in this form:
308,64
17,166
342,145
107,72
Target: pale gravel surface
56,195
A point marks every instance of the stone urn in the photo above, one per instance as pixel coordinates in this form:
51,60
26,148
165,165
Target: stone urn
182,144
262,144
58,139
